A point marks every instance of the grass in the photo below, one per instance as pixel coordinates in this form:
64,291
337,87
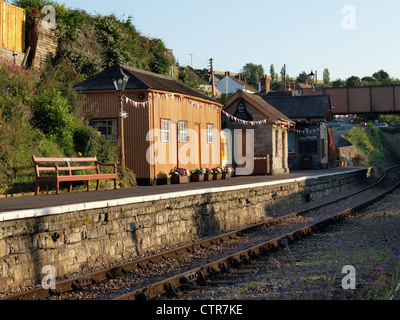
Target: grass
371,146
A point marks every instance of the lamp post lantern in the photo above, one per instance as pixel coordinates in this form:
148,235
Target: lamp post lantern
313,76
120,80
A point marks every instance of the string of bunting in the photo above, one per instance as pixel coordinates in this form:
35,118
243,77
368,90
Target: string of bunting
137,104
179,96
305,131
199,106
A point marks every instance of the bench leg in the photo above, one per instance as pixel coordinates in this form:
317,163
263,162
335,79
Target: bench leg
57,187
98,185
37,188
88,185
70,187
115,184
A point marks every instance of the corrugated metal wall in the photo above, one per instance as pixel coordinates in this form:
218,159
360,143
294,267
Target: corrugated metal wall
105,104
12,27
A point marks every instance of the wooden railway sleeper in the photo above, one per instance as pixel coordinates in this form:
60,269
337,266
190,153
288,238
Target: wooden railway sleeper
171,291
82,282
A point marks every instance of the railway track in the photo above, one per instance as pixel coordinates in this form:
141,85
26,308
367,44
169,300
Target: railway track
229,251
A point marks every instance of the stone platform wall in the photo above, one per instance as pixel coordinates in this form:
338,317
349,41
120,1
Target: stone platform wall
77,241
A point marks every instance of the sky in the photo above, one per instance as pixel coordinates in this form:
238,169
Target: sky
352,37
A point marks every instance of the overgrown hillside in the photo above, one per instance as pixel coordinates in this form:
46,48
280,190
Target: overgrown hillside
93,42
41,114
371,146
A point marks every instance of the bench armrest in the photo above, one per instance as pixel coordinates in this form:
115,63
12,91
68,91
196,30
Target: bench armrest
43,165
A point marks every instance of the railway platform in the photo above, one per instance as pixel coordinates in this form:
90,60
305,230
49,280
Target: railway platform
34,206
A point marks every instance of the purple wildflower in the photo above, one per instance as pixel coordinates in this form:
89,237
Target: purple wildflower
308,288
281,289
293,283
396,254
337,241
324,286
324,265
284,242
334,270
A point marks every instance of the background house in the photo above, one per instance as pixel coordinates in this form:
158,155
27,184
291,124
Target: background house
169,124
247,111
309,141
230,84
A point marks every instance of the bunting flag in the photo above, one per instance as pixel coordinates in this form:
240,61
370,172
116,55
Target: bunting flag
200,106
137,104
253,123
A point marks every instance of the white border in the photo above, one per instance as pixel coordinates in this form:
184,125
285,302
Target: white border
41,212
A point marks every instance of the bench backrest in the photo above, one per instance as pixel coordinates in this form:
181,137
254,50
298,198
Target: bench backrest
39,161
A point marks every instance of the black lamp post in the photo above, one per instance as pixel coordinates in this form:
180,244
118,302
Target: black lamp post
312,76
120,80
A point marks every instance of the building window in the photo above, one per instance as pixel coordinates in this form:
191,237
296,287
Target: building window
183,132
106,127
277,143
308,144
292,143
165,130
210,133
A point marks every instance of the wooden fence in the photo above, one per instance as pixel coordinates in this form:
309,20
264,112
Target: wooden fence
12,27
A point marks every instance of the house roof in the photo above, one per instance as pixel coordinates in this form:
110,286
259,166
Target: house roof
260,104
139,79
300,107
245,85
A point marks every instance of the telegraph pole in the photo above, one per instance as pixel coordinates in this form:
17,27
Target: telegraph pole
191,59
212,75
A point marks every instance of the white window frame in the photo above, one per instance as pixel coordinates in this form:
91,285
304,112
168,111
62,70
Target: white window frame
183,131
210,133
108,124
165,130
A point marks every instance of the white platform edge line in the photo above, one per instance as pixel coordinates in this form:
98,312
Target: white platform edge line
42,212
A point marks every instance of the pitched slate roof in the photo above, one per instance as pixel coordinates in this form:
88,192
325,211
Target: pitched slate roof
245,85
264,106
296,107
139,79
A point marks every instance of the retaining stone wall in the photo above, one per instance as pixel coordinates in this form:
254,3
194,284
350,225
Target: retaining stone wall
78,241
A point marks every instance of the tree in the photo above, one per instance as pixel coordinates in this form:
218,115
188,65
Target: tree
368,81
252,72
352,81
338,83
326,76
272,72
381,75
303,78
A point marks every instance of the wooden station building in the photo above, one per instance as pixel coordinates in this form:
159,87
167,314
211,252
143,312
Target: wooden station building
168,124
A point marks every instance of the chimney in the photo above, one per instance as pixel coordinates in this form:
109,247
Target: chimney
265,83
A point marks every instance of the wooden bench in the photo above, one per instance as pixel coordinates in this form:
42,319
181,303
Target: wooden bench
60,166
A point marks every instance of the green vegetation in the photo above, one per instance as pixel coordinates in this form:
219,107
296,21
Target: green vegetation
371,146
42,115
93,42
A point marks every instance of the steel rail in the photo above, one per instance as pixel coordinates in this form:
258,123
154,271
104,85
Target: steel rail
80,282
198,276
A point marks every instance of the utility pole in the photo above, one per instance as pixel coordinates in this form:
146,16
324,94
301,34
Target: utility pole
212,75
284,77
191,59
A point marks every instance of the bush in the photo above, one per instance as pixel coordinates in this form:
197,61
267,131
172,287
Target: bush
89,143
51,115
